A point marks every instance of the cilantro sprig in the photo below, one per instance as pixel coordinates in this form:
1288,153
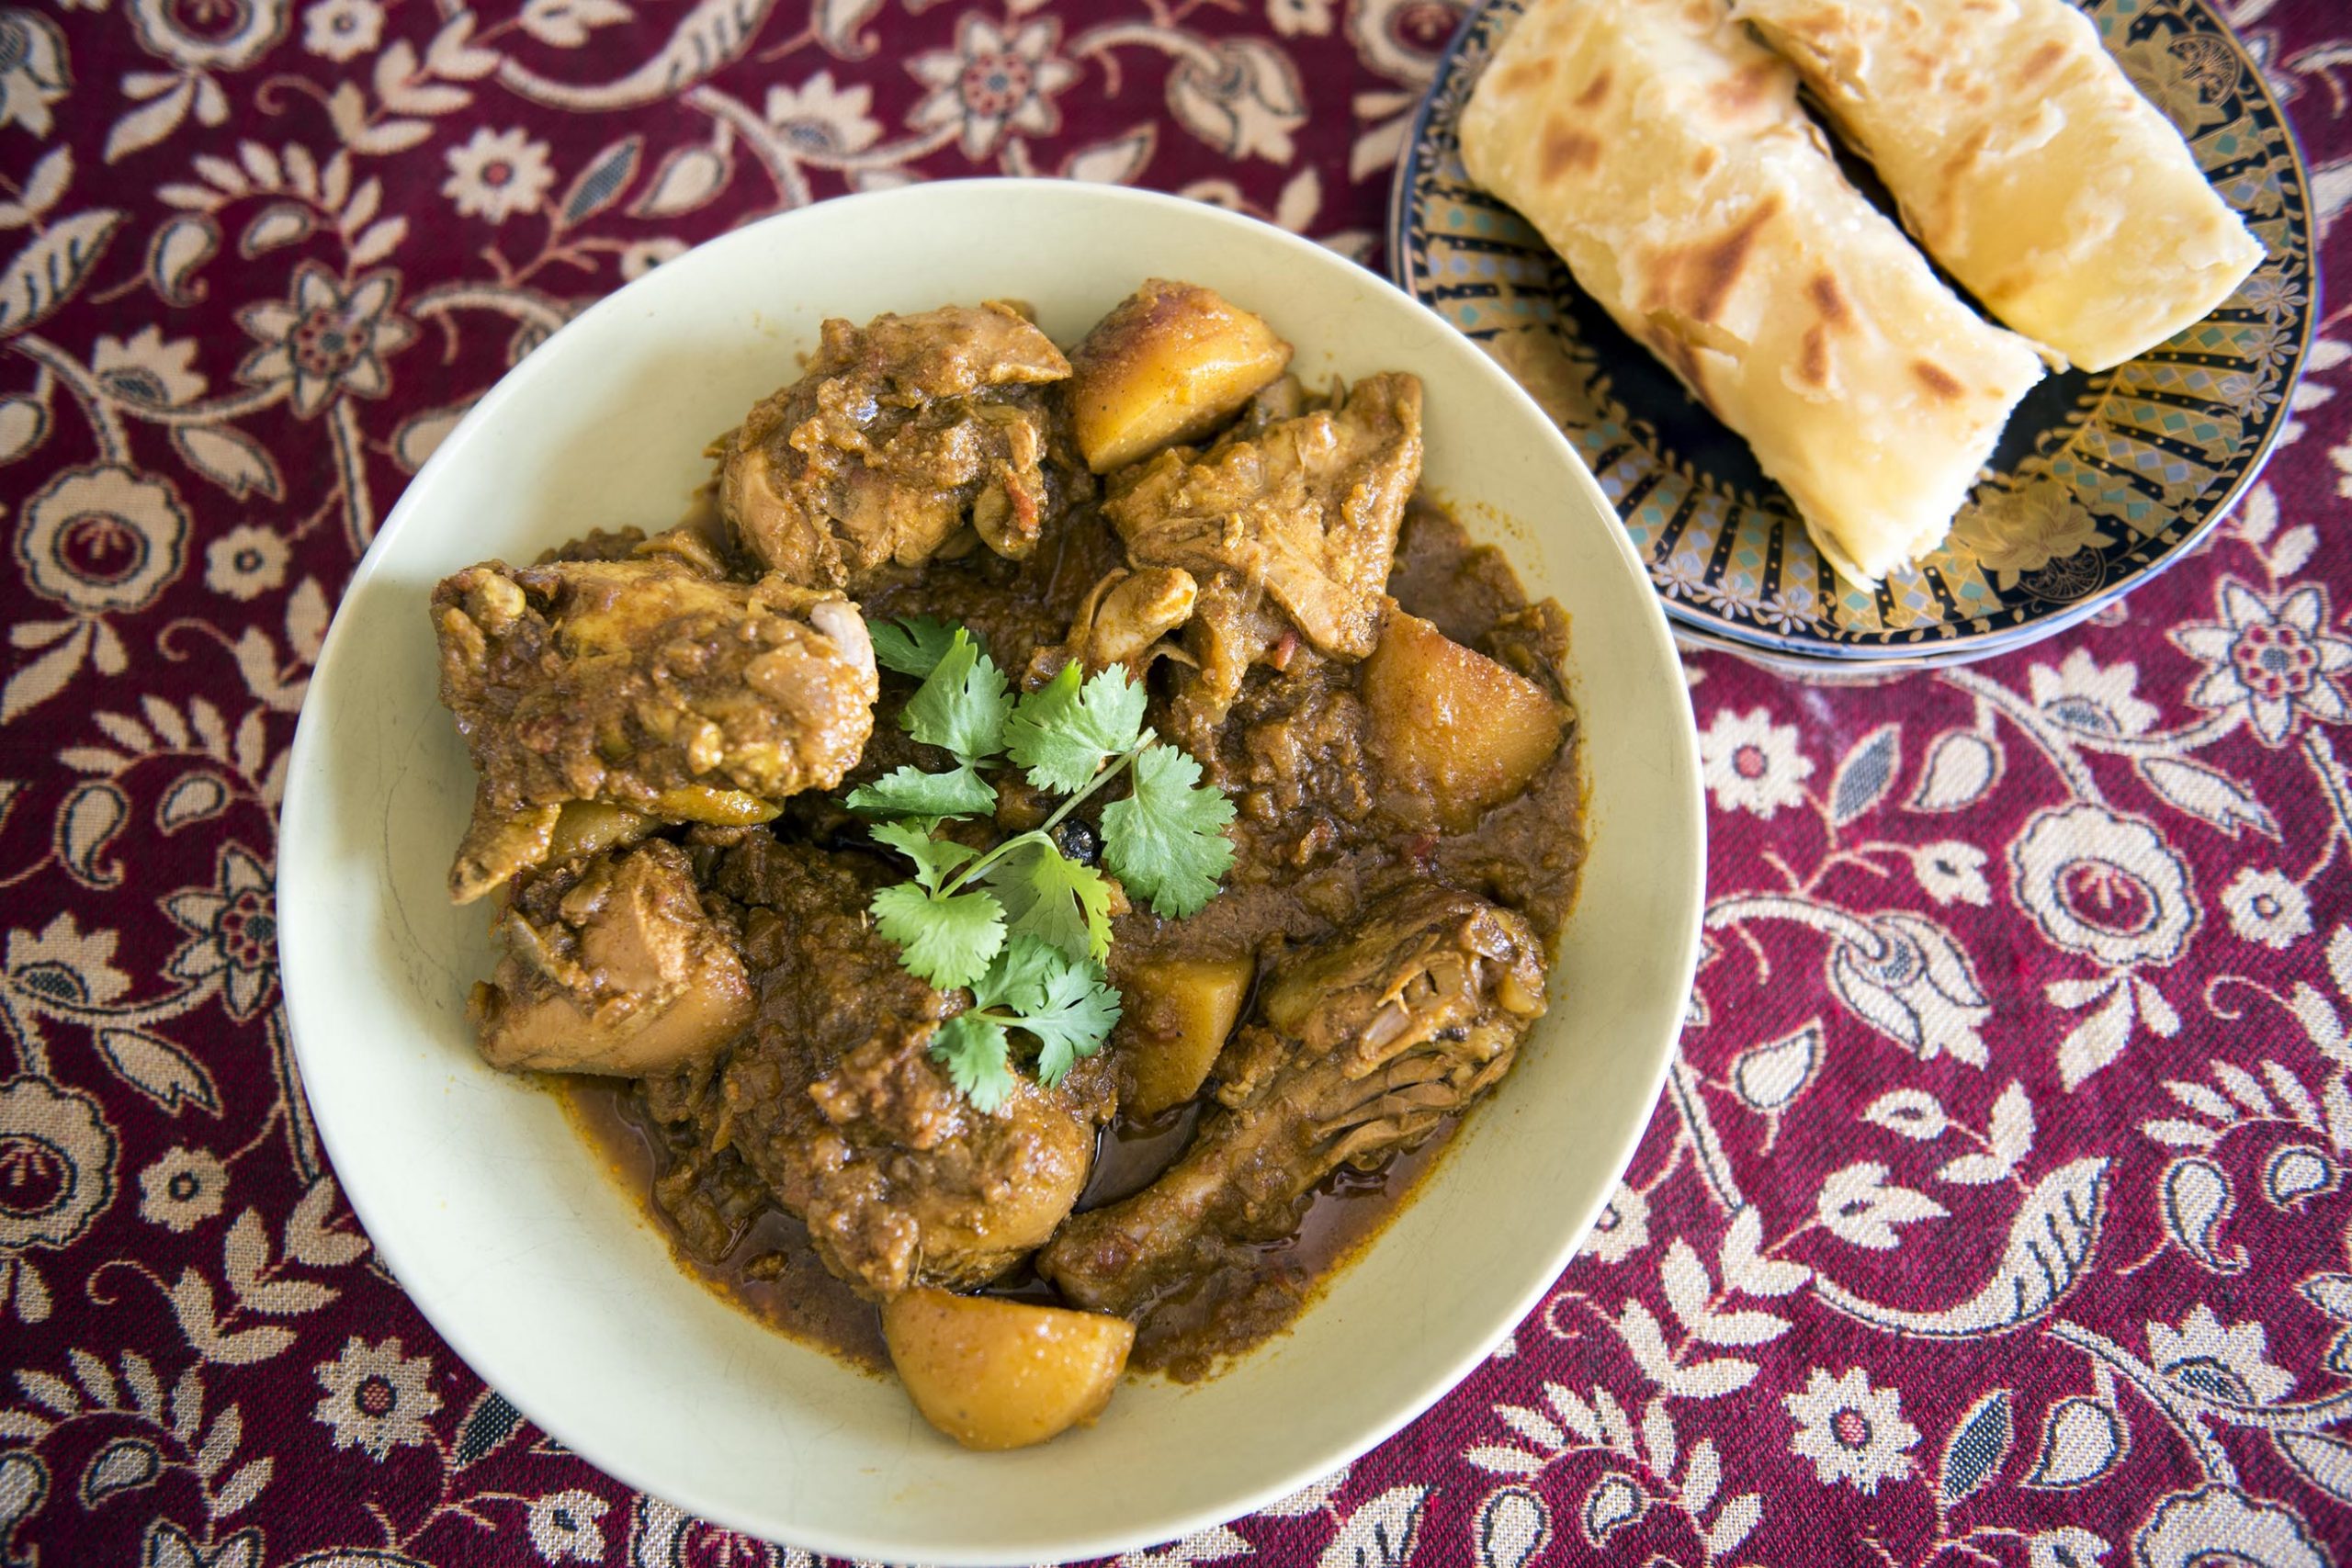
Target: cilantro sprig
1065,1004
1020,924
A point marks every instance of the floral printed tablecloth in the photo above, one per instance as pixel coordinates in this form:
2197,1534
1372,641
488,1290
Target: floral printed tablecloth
1996,1211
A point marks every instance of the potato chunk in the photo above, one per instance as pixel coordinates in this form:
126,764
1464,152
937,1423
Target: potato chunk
1170,363
1000,1374
1452,726
1177,1016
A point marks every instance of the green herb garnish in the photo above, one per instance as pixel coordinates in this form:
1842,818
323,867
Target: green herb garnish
1021,924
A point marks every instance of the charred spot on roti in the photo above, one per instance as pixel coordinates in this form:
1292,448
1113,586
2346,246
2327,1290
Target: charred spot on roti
1705,162
1594,90
1565,148
1937,380
1828,299
1747,88
1526,75
1813,364
2041,62
1707,272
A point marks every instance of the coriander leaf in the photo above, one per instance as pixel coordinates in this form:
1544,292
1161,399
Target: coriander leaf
912,645
1166,841
1016,981
947,942
1062,732
1073,1020
1050,897
962,704
910,792
974,1052
935,859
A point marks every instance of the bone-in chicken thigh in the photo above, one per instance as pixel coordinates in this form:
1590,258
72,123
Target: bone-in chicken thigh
1369,1044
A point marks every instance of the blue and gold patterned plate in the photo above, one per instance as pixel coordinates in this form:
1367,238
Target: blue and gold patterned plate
2102,479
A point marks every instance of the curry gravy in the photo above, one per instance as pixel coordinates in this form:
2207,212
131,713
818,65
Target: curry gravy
1525,854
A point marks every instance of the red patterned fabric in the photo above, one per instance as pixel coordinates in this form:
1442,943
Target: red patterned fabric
1996,1211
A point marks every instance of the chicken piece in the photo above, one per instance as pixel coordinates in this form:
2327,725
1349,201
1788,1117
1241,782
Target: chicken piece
900,432
1305,511
1127,615
611,965
648,683
1369,1043
832,1098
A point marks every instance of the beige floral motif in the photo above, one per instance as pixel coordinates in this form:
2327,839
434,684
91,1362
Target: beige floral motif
1402,39
497,175
565,1529
168,1546
2277,659
2081,695
66,965
1856,1205
2069,1546
2216,1525
1951,871
2230,1363
1245,99
2025,530
822,118
1753,764
329,339
567,23
182,1189
1292,17
245,563
232,928
1852,1432
1623,1229
1905,977
209,35
2266,907
147,368
103,540
342,30
992,84
33,74
56,1164
377,1399
2104,885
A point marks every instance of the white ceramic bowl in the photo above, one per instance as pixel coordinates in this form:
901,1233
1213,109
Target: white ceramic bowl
545,1278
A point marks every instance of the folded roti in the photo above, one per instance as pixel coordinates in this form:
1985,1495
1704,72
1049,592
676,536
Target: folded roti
1660,150
2025,162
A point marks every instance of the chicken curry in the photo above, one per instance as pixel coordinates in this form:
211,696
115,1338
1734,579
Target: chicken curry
1027,879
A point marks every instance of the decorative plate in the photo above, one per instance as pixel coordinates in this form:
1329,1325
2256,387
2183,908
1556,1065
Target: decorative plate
2101,480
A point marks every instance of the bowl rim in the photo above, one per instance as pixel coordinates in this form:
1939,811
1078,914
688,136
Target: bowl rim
304,1007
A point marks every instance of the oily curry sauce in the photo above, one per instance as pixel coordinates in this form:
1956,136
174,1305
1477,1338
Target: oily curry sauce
1527,850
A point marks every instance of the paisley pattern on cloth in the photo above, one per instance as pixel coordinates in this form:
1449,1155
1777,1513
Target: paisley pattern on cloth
1998,1209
